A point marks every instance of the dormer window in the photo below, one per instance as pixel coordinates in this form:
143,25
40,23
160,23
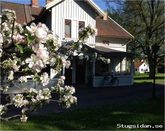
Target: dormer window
106,42
68,28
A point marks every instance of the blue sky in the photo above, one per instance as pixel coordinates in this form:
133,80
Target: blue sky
100,3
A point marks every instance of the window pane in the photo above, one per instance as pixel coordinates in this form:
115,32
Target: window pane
81,24
67,28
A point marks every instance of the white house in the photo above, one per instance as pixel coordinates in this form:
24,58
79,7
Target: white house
142,67
66,17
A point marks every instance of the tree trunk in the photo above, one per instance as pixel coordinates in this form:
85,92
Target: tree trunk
151,67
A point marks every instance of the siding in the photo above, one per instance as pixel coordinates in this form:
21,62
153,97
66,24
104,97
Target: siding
115,43
76,11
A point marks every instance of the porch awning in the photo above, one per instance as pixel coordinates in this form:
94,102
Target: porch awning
107,52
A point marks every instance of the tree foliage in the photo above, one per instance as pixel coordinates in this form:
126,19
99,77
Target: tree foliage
145,20
27,54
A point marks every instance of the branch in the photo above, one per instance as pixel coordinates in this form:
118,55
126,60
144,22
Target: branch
55,100
11,117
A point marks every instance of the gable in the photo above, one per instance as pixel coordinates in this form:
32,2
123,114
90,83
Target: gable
88,2
106,28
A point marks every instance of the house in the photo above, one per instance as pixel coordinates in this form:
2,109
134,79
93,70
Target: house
66,17
141,66
25,13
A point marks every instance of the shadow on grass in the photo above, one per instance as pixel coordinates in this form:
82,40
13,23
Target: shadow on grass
105,117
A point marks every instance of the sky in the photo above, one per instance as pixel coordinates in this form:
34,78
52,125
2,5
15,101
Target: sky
100,3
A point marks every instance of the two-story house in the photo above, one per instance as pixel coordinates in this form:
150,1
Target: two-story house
65,18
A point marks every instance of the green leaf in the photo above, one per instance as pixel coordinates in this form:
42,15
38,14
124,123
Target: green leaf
30,39
20,48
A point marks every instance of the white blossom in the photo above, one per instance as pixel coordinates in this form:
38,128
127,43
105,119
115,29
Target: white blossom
23,79
75,53
1,40
1,51
44,79
19,101
32,90
23,118
62,77
70,89
10,14
11,75
19,38
32,29
44,94
2,109
35,63
41,35
24,110
15,66
41,52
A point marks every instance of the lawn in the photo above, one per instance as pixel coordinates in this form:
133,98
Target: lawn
144,78
149,112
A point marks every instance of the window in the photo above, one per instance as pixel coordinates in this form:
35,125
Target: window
106,42
67,28
101,68
81,24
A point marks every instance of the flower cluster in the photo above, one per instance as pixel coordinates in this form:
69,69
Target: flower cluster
19,100
67,98
29,52
2,109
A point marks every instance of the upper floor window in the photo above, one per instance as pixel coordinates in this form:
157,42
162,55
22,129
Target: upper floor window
67,28
106,42
81,24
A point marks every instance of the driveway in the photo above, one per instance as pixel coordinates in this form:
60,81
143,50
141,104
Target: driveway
94,97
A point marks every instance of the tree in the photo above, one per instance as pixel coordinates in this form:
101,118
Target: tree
145,20
30,51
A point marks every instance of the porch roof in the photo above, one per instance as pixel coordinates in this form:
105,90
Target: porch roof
107,52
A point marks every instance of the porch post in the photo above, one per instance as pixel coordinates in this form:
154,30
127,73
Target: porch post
93,72
74,71
113,67
86,72
63,70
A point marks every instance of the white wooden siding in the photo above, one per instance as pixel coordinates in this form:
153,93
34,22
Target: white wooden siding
114,43
75,11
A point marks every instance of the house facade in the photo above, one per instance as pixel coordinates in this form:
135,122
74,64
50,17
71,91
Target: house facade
66,17
142,67
109,46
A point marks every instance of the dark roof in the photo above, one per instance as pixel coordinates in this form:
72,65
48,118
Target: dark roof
109,28
25,13
138,64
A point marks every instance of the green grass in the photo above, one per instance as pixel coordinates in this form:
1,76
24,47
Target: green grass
144,78
105,117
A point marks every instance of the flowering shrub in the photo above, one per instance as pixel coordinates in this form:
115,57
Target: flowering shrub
29,52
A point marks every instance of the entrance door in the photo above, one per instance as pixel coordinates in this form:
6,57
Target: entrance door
68,76
80,72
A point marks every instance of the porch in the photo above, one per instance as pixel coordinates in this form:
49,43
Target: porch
107,68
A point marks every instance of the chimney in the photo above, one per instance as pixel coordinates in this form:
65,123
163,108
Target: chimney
35,3
105,17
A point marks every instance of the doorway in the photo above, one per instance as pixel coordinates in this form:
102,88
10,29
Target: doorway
80,71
